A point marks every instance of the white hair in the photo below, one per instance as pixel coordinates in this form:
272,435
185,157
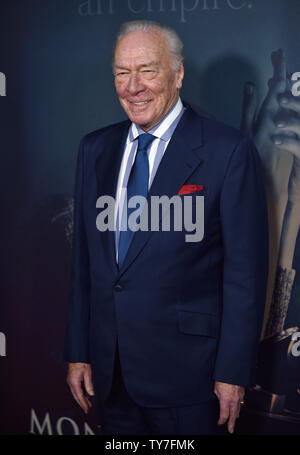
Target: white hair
173,40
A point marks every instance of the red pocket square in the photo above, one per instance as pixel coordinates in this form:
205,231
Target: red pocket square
187,189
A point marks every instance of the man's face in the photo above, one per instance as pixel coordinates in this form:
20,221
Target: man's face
146,83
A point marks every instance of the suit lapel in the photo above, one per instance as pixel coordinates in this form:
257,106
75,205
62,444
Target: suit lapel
107,172
182,157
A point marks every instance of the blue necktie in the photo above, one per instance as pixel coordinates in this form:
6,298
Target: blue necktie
137,186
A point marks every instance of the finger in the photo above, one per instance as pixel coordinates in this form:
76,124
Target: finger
224,412
88,384
79,396
279,64
271,101
84,403
84,406
290,102
278,84
270,82
249,108
291,125
233,415
289,82
287,144
81,400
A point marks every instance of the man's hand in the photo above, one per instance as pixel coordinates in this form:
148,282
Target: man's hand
230,398
81,373
263,126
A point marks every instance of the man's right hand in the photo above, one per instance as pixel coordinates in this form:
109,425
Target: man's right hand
79,373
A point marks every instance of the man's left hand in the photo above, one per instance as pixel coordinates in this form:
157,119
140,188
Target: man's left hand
231,399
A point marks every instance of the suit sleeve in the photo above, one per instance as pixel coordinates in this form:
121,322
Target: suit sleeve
245,268
77,336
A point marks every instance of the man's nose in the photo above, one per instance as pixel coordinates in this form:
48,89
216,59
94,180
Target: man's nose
135,84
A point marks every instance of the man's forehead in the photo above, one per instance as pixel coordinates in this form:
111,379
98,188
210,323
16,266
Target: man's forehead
142,63
140,53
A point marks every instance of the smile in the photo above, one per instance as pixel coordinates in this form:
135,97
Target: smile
141,103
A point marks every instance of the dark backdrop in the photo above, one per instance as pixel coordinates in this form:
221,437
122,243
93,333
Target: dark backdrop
56,56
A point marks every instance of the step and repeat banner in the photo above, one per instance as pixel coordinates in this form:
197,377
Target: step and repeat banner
242,66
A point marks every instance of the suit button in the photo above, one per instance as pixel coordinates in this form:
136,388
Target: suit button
118,288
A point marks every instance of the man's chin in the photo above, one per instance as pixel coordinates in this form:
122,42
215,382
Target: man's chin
140,120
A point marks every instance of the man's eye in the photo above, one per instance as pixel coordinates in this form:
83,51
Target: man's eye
122,73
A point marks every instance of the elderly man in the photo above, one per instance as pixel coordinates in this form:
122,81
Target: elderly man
165,330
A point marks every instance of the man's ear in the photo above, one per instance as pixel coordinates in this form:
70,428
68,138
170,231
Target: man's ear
180,76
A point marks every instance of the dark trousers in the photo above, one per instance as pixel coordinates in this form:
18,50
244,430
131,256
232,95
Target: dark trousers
121,415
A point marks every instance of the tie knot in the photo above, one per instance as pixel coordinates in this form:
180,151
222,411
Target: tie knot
144,140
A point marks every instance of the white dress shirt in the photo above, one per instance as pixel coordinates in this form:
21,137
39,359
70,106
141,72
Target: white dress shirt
163,133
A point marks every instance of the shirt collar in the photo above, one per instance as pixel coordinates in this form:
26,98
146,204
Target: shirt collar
164,129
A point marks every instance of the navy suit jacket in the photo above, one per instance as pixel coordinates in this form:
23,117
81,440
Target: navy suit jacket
184,314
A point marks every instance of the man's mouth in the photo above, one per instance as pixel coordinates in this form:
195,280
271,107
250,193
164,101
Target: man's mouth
140,103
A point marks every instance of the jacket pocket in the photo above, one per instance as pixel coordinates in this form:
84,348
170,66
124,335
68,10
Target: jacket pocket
198,323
